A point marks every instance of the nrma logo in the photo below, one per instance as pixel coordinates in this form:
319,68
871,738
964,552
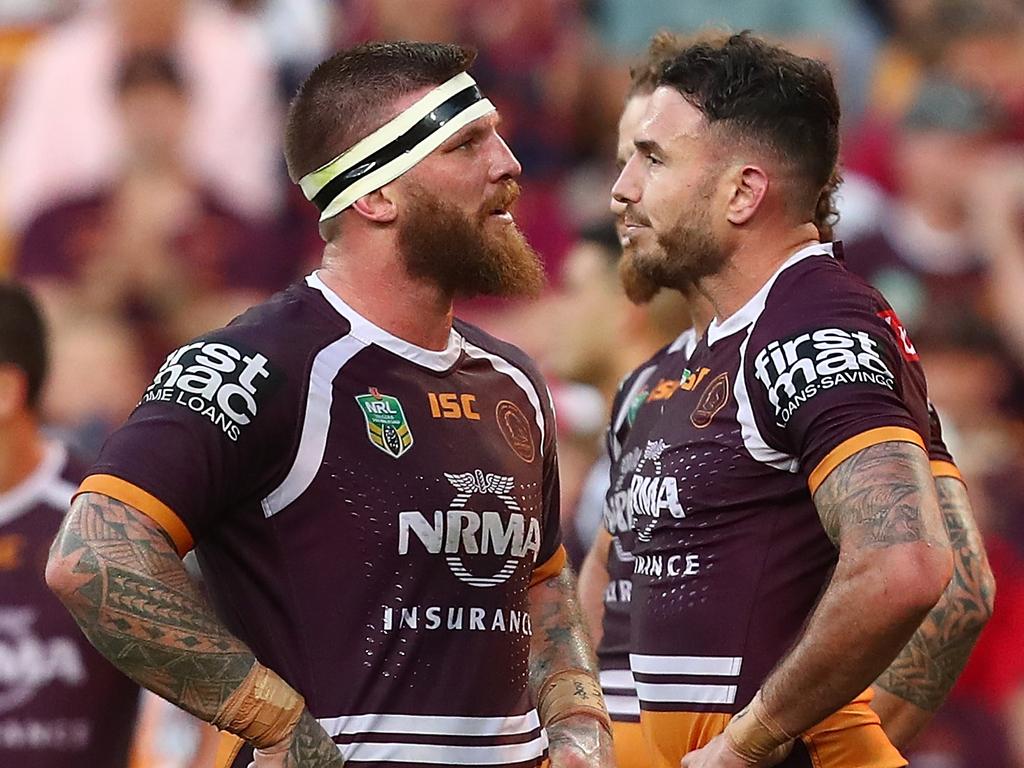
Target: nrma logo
215,380
29,662
482,549
795,370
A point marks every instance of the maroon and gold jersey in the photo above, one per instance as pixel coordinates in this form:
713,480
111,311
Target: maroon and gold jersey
730,556
613,650
368,516
61,702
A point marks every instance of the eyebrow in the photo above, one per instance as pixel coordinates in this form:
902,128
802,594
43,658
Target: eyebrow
647,146
478,127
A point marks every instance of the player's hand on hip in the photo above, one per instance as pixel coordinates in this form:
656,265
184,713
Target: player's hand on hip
717,754
580,742
308,746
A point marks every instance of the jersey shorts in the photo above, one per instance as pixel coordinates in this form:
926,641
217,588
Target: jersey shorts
368,516
729,554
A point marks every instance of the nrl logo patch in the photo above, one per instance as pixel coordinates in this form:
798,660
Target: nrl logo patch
385,422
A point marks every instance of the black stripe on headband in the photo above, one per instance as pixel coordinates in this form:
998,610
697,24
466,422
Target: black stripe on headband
404,143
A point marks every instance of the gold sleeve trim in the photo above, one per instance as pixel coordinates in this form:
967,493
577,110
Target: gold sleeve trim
857,443
946,469
145,502
552,567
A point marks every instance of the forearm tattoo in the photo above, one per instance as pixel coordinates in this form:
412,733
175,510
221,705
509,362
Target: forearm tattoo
873,499
927,668
311,746
559,640
132,598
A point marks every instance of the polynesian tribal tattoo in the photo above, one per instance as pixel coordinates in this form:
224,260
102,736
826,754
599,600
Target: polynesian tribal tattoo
135,602
927,668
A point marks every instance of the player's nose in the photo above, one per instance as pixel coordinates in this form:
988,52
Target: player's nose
504,164
626,188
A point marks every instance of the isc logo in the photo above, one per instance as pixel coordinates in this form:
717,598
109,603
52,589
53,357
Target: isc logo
449,405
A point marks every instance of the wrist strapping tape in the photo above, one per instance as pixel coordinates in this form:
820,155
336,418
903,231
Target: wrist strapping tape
754,734
572,692
263,710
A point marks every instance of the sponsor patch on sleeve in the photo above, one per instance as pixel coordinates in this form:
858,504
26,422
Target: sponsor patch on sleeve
224,383
796,369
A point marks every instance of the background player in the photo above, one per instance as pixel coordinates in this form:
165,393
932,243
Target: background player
605,576
394,564
61,702
745,237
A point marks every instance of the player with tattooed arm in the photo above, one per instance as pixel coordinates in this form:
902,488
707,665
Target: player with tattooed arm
371,485
789,540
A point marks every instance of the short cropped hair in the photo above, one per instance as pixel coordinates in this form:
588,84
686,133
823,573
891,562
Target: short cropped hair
348,96
769,96
23,338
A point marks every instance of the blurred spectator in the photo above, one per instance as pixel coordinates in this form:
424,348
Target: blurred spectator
996,206
153,246
61,702
839,31
919,251
63,135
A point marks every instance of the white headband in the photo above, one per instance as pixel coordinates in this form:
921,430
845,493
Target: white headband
396,146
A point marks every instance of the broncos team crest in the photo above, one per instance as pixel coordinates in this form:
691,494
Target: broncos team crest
385,422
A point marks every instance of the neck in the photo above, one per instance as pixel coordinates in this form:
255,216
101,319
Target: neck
21,450
751,266
701,310
382,291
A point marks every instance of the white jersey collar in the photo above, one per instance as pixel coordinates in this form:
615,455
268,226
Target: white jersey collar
21,497
750,311
366,331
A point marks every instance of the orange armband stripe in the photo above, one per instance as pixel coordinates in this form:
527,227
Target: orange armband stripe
857,443
145,502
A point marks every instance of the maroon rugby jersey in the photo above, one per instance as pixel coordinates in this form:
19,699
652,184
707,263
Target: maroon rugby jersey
61,703
613,650
368,516
730,556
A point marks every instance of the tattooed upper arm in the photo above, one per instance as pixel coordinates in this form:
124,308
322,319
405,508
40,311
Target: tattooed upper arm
121,578
881,496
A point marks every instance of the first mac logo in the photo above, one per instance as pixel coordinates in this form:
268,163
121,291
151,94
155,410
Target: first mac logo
218,381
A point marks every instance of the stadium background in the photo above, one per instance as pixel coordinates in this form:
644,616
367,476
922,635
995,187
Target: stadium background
143,197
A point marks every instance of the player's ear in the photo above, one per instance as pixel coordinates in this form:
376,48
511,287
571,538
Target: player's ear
749,188
377,206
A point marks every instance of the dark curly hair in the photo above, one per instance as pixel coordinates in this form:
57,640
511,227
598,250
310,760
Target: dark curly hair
771,97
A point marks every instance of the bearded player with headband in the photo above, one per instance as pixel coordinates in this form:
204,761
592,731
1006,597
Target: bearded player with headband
370,485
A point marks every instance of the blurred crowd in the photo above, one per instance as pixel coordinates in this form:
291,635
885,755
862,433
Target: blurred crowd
143,197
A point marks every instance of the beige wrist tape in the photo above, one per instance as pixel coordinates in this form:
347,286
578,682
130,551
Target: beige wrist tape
263,710
753,734
572,692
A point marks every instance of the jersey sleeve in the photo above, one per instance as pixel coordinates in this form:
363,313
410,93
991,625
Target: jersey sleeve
942,462
552,556
831,375
201,439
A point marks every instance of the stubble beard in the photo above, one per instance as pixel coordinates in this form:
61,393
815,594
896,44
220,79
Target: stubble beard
464,256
